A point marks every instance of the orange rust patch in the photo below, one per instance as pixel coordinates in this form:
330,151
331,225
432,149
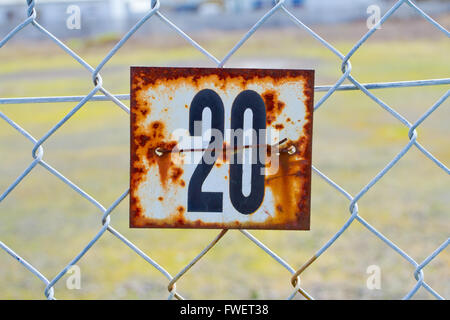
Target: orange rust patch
148,77
176,173
279,126
179,216
287,187
225,152
156,136
274,106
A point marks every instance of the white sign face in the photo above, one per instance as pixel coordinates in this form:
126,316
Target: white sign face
220,148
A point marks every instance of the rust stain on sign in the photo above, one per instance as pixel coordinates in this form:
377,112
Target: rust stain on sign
163,164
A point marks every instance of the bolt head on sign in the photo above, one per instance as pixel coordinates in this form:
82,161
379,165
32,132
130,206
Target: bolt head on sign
221,148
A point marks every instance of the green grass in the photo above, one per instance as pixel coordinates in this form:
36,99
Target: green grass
48,223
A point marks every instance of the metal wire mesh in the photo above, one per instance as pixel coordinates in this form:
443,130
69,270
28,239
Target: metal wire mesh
100,93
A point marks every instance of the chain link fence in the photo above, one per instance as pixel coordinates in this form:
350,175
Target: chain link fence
100,93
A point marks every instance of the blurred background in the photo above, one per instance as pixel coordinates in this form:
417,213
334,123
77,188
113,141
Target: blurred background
47,223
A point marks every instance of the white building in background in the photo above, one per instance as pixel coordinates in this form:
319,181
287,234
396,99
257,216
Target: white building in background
119,7
117,16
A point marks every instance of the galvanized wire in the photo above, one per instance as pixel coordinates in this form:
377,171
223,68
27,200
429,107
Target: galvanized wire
99,93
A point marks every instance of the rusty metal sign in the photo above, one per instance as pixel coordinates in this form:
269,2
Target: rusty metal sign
221,148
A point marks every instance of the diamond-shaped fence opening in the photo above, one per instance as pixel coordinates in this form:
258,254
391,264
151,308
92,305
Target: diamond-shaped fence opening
347,81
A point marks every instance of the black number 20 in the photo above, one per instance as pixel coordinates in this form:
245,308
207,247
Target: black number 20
199,201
